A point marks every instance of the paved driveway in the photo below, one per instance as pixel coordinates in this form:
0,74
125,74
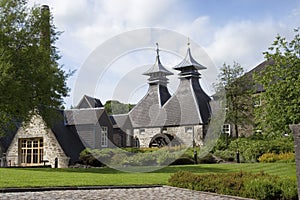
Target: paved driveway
150,193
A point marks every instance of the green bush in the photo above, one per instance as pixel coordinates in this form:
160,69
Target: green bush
251,148
261,188
226,155
88,158
222,143
129,157
249,185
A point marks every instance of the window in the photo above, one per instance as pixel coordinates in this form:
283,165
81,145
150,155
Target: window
142,131
164,130
104,136
189,129
31,151
226,129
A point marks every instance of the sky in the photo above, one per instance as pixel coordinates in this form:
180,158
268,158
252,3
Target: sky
226,30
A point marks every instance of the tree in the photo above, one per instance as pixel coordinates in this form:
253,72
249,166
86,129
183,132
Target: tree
281,81
31,79
238,91
114,107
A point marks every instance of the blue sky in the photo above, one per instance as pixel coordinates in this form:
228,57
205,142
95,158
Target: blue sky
228,30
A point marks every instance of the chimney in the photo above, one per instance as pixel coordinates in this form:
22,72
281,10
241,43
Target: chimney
45,27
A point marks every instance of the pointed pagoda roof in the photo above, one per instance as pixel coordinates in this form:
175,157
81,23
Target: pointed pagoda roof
189,61
157,67
189,104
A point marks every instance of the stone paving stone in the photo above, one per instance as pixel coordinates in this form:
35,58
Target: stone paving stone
164,192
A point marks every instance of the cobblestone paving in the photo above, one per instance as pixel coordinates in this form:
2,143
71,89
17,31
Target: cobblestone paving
164,192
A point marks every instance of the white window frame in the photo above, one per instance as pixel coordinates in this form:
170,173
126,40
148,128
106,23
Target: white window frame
104,135
226,129
189,129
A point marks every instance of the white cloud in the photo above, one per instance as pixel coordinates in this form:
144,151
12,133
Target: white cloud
243,42
88,23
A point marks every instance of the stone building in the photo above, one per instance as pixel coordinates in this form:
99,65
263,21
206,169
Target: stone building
160,118
251,127
35,144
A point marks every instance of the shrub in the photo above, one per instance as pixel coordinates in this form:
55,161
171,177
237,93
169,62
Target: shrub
207,159
273,157
249,185
226,155
88,158
222,143
261,188
165,157
251,148
183,161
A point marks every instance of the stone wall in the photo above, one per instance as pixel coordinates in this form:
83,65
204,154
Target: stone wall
145,137
37,129
179,132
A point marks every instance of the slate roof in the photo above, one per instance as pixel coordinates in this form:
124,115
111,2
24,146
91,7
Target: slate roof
189,61
83,116
121,121
6,140
157,67
68,139
190,104
257,70
89,102
146,112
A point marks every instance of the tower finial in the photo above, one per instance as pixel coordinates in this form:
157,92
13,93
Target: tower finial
188,43
157,48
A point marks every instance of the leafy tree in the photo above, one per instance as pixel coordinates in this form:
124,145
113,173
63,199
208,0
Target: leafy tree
238,93
281,81
116,107
30,78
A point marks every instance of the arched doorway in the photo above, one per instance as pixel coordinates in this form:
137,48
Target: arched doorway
162,139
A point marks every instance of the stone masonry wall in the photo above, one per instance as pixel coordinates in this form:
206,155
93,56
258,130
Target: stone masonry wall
37,129
179,132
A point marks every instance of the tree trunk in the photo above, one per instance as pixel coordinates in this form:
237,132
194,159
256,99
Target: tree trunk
236,131
296,133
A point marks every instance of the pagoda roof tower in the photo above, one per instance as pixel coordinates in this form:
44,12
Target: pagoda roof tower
189,104
146,112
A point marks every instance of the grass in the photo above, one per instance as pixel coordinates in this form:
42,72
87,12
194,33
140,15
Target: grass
46,177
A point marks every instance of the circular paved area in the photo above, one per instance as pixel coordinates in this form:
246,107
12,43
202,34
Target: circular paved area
164,192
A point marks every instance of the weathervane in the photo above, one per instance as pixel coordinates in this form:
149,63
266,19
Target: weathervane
157,48
188,42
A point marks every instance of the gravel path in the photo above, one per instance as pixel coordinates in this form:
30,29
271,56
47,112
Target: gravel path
164,192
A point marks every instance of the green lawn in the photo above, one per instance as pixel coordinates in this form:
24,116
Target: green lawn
45,177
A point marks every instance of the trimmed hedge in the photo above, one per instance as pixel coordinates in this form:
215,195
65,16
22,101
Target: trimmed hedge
132,157
258,186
